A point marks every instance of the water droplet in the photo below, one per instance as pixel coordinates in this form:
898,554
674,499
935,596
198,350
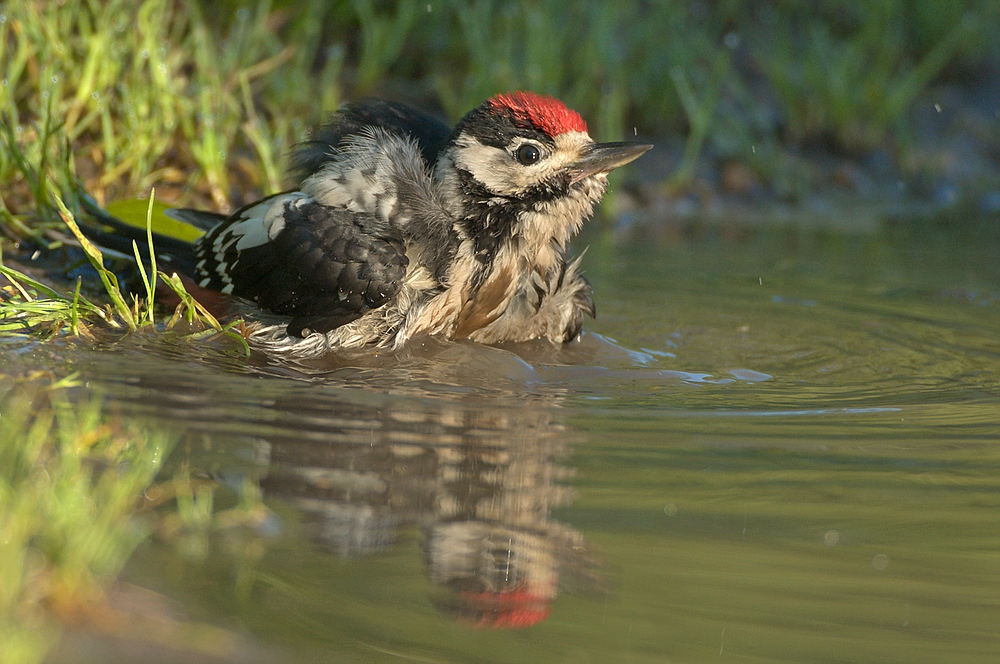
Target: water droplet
3,18
831,537
670,509
95,95
880,561
731,40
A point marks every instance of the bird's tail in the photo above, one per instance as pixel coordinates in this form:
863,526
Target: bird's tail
173,254
110,232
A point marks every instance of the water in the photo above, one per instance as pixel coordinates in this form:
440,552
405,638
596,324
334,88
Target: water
772,445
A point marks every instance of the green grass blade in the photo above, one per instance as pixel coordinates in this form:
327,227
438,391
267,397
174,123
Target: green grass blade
148,278
96,258
151,285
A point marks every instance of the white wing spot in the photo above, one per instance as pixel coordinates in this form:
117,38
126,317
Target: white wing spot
258,224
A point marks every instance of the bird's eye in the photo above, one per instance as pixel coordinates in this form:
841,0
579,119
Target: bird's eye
528,154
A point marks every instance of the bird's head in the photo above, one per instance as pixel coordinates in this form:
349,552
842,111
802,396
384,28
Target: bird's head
524,156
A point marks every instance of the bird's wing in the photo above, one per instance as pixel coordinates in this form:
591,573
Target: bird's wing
322,266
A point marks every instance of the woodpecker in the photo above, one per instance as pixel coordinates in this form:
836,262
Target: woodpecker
401,227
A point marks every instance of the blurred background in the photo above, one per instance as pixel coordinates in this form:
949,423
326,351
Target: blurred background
759,102
776,442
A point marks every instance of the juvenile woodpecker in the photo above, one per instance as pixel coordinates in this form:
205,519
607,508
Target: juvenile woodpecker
401,227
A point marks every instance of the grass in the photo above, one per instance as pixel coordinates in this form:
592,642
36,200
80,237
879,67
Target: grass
77,482
204,100
30,307
80,489
854,90
71,483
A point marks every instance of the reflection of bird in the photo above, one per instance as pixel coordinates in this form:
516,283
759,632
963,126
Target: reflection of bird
480,481
402,227
497,575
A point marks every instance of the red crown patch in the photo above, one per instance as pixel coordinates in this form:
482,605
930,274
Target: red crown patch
545,113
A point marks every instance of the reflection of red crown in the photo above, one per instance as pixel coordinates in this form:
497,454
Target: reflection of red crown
515,608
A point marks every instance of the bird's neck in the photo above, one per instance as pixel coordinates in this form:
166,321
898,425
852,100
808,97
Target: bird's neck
533,233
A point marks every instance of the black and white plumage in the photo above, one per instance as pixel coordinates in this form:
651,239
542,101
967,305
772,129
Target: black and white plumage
322,266
402,227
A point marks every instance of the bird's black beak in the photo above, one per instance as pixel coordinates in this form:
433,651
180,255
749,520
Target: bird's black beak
604,157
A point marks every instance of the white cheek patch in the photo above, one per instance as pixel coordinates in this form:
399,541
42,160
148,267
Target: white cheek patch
489,165
496,170
501,174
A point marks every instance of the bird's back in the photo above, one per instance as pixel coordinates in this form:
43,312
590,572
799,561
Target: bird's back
354,118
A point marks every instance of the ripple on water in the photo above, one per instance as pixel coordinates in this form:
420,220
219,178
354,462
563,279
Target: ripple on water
798,442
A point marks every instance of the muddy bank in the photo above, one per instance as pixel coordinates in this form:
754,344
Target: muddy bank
947,167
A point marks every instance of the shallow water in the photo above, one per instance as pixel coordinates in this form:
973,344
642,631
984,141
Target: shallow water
772,445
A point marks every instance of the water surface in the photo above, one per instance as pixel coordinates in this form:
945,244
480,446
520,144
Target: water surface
772,445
